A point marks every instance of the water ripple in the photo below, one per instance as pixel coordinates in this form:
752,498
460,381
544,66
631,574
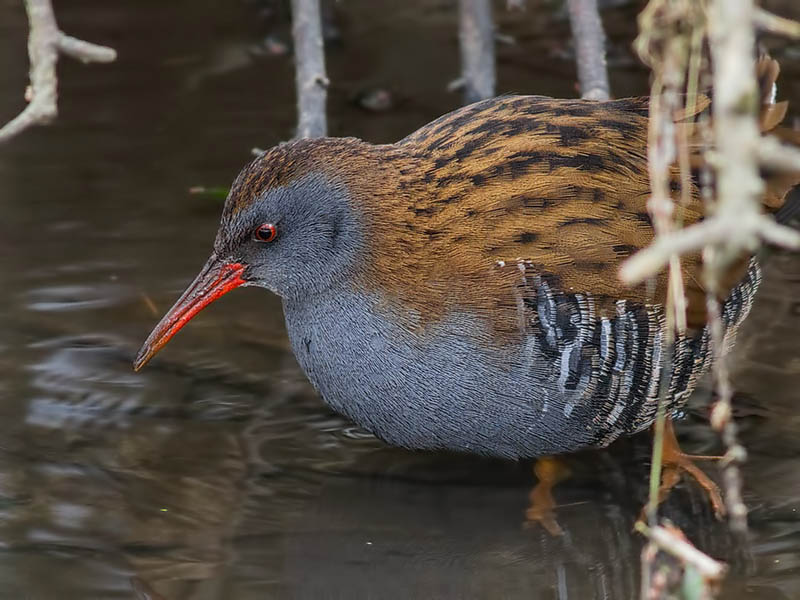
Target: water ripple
77,297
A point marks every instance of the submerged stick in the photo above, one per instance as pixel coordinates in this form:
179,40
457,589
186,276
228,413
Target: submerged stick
476,37
45,42
668,540
312,82
590,49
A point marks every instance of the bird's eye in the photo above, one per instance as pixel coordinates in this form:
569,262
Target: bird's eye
265,232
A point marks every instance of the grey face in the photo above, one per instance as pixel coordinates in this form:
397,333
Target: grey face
317,239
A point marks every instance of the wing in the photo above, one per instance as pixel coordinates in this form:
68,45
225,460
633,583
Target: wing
563,184
611,366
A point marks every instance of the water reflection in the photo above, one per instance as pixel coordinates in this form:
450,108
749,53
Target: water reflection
217,473
211,492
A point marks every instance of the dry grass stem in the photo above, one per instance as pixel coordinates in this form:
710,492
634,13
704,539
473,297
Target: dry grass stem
45,42
662,45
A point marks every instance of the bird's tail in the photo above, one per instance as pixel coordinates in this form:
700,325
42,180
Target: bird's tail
778,184
776,198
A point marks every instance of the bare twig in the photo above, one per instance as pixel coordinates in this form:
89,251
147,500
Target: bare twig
737,138
775,155
476,35
45,42
766,21
85,52
736,132
715,230
590,49
722,416
312,82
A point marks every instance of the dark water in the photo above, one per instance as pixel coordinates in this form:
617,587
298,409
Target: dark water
216,472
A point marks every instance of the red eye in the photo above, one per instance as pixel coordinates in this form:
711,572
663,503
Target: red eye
266,232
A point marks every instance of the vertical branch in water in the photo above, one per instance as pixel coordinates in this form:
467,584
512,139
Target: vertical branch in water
739,187
590,49
311,80
476,37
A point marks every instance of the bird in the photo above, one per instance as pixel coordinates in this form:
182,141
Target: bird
458,289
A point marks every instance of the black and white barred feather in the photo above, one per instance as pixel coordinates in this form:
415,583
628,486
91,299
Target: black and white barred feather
611,366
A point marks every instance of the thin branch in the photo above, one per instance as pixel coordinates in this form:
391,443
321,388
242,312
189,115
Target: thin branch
476,36
590,49
85,52
773,154
722,416
739,187
766,21
715,230
45,42
312,82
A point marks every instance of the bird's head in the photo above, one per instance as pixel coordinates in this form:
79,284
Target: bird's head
289,225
